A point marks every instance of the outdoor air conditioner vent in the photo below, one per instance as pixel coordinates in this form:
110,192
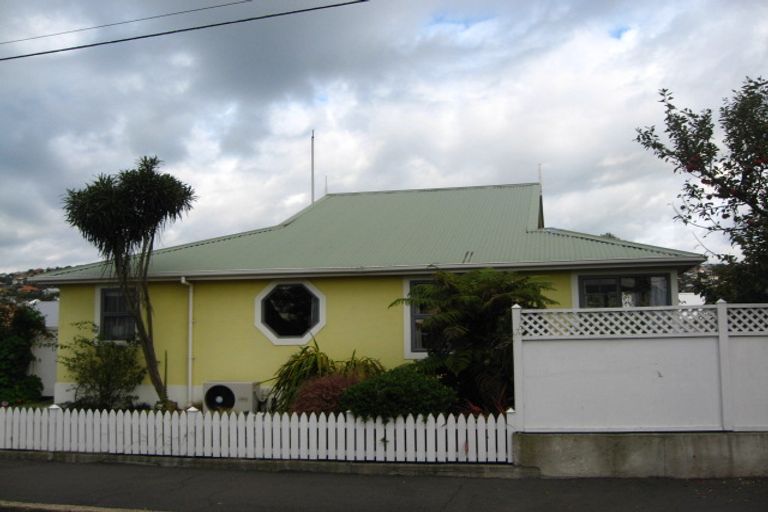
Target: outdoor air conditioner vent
230,396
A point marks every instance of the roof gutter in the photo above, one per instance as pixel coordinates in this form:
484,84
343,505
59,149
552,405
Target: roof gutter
272,273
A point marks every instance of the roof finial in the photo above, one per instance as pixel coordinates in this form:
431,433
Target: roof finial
312,166
540,183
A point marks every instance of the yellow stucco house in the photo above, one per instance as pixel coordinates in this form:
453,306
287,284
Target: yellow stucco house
235,308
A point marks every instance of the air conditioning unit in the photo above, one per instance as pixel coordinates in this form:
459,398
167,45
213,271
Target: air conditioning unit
230,396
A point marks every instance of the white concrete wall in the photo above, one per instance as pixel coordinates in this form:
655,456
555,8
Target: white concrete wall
617,385
668,369
749,382
44,364
64,392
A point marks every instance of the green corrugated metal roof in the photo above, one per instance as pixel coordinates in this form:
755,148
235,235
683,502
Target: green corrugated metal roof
400,231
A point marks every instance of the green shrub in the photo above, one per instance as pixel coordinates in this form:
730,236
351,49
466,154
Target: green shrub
398,392
469,331
27,389
309,363
322,394
20,328
105,372
361,367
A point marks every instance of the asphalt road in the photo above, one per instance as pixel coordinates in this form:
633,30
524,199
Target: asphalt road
186,489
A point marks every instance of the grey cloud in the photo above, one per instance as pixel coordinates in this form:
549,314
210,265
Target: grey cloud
67,117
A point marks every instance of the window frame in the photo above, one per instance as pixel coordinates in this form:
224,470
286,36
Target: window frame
101,314
409,320
581,291
267,331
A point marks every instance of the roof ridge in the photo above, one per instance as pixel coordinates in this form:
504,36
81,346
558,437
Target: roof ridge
616,241
241,234
433,189
206,241
216,239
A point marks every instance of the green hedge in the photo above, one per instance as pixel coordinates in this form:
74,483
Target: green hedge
20,327
399,392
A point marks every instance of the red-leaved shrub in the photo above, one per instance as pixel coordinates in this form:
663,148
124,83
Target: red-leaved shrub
322,394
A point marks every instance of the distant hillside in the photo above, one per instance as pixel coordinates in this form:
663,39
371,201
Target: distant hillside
16,285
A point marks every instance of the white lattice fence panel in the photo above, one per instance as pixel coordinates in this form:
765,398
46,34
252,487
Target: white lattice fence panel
619,322
748,319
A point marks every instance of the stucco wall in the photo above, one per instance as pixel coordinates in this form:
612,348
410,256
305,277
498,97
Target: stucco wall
229,347
561,292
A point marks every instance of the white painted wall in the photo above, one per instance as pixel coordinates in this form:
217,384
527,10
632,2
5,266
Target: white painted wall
671,369
64,392
44,364
749,377
635,384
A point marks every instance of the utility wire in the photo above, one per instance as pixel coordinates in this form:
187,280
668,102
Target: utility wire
73,31
188,29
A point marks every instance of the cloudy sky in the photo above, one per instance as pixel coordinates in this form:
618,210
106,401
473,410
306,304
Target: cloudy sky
401,94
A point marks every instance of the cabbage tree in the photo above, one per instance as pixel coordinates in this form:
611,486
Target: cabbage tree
121,215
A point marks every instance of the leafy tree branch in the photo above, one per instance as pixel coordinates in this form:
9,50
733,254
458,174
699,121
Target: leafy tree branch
725,189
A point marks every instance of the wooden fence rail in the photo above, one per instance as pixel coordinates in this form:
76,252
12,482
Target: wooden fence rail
343,437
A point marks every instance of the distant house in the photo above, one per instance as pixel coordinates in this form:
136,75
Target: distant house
690,299
28,288
236,307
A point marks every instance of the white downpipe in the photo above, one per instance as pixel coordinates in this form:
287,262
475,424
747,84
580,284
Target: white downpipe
190,354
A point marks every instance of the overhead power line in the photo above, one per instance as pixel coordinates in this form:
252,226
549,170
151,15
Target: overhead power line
188,29
157,16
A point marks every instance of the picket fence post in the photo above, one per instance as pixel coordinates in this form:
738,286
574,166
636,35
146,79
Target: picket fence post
380,437
724,366
389,436
517,366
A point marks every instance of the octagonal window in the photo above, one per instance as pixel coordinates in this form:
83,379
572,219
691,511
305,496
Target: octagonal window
290,313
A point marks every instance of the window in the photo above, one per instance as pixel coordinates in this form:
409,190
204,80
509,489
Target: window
290,310
290,313
116,323
624,291
419,337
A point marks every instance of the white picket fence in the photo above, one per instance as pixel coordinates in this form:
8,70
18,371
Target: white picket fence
446,439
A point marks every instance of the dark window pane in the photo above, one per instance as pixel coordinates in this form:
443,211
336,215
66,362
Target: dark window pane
117,328
601,293
116,322
419,337
625,291
659,291
290,310
113,302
